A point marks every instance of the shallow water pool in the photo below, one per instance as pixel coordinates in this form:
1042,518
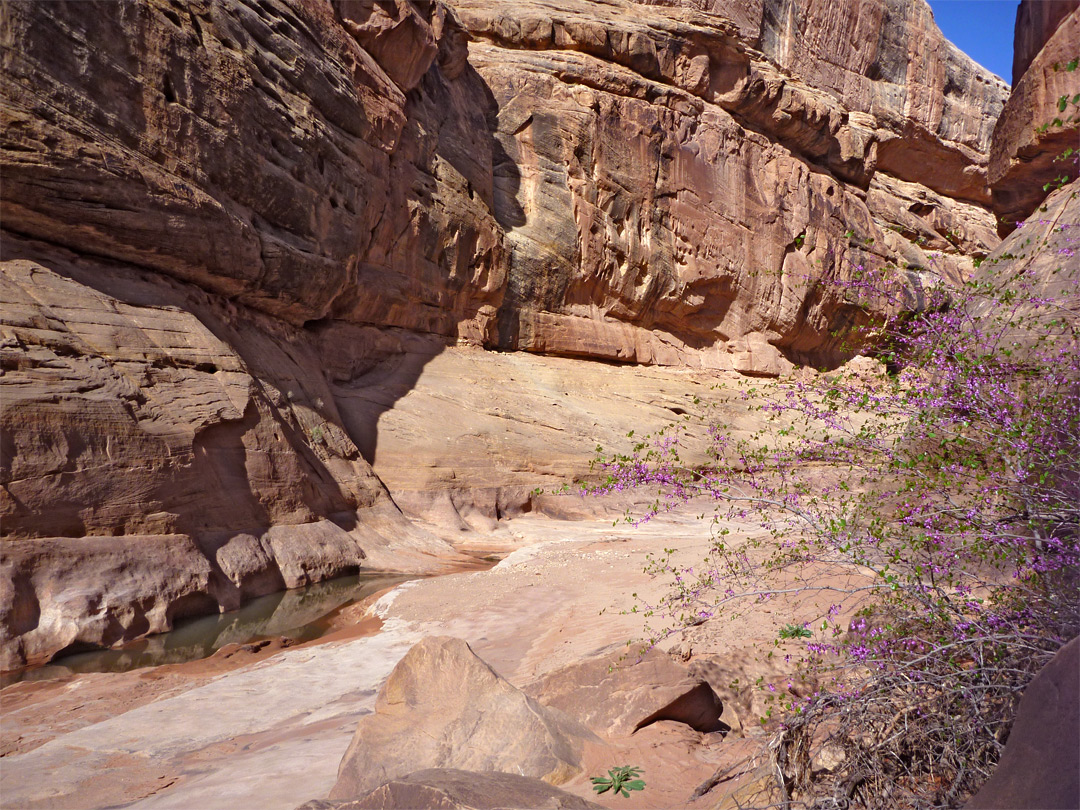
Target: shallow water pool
302,614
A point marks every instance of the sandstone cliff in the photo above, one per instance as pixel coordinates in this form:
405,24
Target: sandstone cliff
1037,127
223,219
676,181
633,182
1036,22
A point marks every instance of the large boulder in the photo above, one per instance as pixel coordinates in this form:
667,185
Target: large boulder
1041,764
617,694
450,789
443,707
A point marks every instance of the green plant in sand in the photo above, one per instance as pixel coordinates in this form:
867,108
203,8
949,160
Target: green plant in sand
620,780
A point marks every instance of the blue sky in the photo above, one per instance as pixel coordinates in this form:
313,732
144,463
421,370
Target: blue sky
983,29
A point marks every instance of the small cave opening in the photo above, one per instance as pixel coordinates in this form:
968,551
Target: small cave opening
167,90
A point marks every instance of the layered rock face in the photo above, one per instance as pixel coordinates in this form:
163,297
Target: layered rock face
164,457
256,150
623,181
223,219
1042,117
676,181
184,187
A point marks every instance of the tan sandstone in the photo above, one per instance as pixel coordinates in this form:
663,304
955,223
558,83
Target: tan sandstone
442,707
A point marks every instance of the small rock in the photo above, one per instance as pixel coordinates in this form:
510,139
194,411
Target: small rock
681,652
827,759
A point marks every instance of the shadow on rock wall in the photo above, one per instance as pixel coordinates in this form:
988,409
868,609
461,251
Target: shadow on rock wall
140,404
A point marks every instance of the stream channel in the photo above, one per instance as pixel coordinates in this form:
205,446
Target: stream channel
302,614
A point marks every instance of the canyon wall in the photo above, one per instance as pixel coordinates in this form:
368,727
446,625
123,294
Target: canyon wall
1036,22
633,182
1042,117
676,181
224,222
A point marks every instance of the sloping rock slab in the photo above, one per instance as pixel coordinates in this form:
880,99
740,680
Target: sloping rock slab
450,789
1041,763
615,698
442,707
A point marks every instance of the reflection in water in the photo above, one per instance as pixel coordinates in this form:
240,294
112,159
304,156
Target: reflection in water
302,615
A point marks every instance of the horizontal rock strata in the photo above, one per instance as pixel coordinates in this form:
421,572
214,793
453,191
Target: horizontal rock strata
670,188
166,456
620,181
